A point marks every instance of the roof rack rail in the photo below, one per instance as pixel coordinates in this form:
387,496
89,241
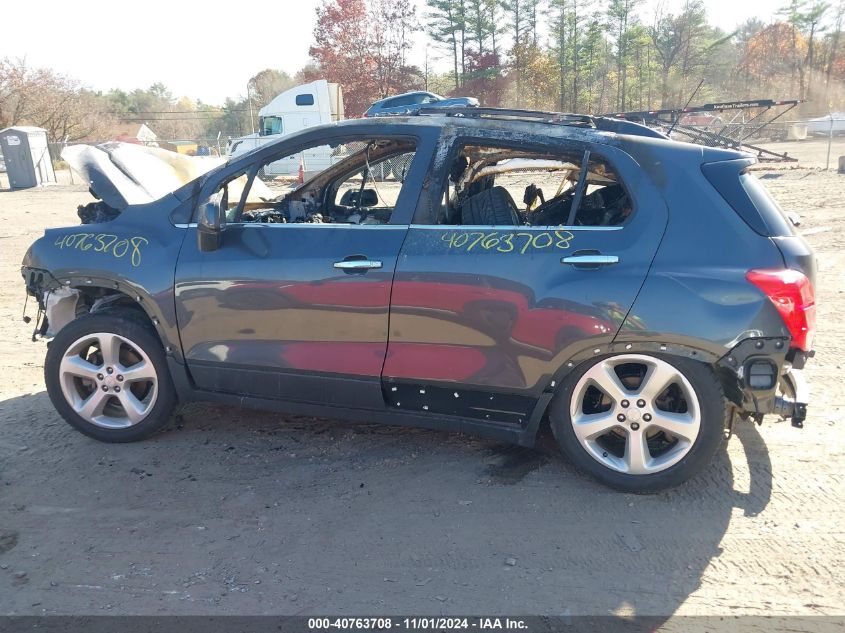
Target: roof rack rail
564,118
602,123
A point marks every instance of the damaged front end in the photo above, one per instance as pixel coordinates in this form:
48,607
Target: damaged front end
120,175
126,251
57,304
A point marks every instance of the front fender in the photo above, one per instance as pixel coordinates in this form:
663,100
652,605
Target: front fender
126,256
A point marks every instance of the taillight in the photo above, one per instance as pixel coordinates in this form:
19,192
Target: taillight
792,293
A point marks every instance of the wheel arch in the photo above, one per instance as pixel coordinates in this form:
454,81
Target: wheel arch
95,294
539,416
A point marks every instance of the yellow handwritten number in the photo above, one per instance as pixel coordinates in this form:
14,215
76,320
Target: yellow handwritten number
104,243
503,242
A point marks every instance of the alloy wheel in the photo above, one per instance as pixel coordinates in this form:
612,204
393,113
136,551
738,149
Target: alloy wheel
108,380
635,414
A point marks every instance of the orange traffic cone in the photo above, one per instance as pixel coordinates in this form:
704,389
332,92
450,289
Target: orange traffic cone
300,177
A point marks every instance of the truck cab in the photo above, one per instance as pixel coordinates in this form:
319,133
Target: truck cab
292,111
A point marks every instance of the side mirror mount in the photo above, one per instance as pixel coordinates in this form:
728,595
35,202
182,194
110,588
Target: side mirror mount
212,221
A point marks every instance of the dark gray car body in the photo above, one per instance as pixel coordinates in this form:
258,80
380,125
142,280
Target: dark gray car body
440,338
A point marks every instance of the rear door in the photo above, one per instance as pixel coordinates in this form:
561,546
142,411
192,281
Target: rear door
483,316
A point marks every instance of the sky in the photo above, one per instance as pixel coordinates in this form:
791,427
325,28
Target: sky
204,52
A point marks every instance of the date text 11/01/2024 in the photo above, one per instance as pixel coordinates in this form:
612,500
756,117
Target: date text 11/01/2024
418,623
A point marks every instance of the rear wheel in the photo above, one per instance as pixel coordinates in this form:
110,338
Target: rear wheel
107,376
640,423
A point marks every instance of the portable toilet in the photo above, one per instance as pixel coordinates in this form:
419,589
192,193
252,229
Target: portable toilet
27,156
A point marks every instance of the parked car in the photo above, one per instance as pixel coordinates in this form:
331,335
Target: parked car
523,271
412,101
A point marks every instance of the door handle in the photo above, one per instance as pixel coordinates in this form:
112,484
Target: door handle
591,260
358,264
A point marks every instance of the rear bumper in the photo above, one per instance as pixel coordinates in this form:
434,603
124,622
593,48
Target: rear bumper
758,379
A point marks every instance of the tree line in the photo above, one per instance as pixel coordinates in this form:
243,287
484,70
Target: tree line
590,56
71,112
568,55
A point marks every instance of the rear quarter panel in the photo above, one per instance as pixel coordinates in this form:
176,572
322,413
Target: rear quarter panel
696,294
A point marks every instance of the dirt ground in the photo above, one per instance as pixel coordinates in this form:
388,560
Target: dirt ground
240,512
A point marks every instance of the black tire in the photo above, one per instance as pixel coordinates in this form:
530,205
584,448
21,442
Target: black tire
713,409
131,326
490,207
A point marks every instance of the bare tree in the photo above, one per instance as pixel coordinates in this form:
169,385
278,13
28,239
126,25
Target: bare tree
41,97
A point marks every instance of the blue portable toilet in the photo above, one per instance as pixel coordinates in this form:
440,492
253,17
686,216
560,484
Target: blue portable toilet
27,156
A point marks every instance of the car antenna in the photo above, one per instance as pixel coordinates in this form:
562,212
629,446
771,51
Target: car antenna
691,97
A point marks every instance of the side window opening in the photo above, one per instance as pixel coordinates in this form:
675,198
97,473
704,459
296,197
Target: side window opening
354,182
306,99
490,185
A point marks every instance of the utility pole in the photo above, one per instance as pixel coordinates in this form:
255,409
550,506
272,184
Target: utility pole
251,118
425,72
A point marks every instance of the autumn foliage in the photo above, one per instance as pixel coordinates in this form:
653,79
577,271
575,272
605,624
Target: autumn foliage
570,55
363,46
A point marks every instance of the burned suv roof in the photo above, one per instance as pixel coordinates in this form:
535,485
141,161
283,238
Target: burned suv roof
514,122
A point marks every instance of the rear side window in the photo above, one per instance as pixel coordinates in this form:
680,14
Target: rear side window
772,213
305,100
748,197
405,100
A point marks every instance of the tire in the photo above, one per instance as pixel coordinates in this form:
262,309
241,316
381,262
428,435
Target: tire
603,439
490,207
130,402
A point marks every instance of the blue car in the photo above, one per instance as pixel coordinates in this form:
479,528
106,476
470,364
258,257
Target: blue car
412,101
652,298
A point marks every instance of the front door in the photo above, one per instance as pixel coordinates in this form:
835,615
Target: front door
294,303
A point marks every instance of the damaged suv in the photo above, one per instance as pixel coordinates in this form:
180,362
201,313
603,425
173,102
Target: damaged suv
482,271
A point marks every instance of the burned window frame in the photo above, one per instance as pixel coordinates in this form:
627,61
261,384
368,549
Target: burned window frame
558,146
323,182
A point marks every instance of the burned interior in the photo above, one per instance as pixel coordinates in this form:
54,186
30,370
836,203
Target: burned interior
362,182
360,185
556,188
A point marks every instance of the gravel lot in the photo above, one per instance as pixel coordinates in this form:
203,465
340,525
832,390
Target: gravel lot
240,512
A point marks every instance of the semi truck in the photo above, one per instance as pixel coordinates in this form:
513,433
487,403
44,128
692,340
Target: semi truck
293,110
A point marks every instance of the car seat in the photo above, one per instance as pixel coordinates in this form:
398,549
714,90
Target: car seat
493,206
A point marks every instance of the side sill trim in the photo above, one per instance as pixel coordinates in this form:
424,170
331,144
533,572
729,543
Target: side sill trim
492,430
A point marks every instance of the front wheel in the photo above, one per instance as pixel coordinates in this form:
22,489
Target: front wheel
640,423
107,376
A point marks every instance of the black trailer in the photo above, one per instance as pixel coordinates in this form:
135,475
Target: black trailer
744,122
